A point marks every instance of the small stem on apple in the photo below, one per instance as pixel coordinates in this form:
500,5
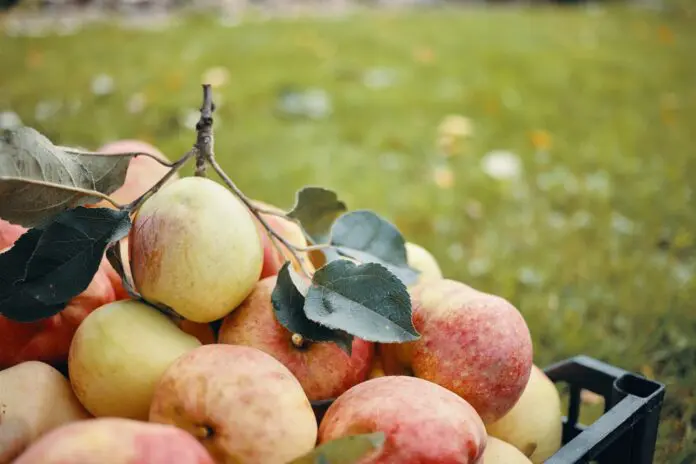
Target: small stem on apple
203,432
298,340
175,167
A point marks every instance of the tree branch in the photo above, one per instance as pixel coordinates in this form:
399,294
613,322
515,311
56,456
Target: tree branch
204,129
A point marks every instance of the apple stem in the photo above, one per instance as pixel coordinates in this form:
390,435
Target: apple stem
175,167
203,432
297,340
204,130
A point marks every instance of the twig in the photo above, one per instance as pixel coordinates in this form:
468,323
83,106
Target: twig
175,167
274,235
308,237
133,154
204,129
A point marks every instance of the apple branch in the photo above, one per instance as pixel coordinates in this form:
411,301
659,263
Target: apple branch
206,155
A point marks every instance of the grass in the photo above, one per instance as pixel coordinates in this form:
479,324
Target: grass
593,242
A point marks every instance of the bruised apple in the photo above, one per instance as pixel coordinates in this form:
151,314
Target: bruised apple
116,441
195,248
241,403
324,370
472,343
49,339
422,422
534,424
423,261
118,354
34,399
273,260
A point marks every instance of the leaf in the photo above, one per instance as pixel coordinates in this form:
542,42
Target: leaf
345,450
289,303
366,237
365,300
317,208
39,180
51,264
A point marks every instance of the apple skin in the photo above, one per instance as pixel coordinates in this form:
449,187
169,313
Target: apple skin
118,354
290,231
48,339
34,399
195,249
422,260
472,343
116,441
242,404
534,424
499,452
423,422
323,369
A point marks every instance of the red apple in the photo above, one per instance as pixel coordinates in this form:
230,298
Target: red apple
324,370
241,403
472,343
422,422
49,339
116,441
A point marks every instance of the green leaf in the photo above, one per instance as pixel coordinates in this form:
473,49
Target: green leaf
365,300
289,303
317,208
51,264
345,450
39,180
368,238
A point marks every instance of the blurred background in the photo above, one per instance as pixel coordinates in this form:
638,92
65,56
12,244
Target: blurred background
544,151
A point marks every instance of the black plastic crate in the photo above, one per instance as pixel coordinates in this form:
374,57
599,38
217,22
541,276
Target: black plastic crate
627,431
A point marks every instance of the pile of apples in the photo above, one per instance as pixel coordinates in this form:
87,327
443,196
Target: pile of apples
145,387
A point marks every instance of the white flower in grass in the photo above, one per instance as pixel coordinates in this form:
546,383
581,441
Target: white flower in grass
501,165
102,84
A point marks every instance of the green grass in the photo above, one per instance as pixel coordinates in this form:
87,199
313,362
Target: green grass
614,89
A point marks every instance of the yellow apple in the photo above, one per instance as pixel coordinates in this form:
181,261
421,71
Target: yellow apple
533,425
194,248
499,452
422,260
34,399
119,353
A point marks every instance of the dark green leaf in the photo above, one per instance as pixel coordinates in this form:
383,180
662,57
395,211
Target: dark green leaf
39,180
57,260
345,450
289,303
368,238
317,208
365,300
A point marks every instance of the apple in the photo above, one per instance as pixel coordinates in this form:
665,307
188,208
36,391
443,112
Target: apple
118,354
323,369
241,403
9,233
423,422
49,339
116,441
273,260
195,248
34,399
202,331
534,424
472,343
422,260
499,452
